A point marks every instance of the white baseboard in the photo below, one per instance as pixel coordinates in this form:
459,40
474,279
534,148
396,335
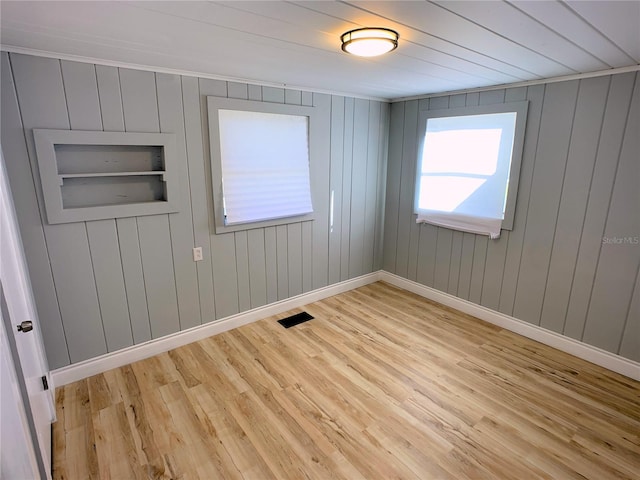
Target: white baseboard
87,368
589,353
78,371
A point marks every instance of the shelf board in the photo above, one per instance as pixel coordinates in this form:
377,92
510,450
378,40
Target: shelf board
111,174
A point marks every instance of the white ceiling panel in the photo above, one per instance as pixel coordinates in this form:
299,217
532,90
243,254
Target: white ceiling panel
502,19
444,45
558,17
619,21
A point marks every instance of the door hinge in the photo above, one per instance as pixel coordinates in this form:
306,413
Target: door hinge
45,383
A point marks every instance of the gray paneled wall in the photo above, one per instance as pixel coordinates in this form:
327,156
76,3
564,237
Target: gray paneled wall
571,262
104,285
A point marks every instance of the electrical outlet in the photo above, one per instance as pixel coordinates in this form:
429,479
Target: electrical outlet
197,254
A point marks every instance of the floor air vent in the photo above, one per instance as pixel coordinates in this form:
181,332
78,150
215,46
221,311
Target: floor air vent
294,320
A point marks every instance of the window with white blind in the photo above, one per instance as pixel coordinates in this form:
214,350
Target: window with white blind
260,163
468,167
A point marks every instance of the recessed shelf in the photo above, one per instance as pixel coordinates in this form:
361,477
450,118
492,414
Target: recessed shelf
97,175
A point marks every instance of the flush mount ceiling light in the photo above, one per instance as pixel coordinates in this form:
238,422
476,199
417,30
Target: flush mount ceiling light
369,42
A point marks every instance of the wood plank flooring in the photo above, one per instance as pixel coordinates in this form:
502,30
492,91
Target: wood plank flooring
382,384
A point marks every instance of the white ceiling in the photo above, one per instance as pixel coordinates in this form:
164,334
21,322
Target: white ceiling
444,45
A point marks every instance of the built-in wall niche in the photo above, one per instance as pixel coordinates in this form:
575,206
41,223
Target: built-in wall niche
97,175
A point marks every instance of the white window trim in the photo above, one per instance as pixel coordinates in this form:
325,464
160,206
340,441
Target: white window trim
220,103
518,143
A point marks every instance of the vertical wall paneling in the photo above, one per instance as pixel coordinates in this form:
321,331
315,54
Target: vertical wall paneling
108,80
482,243
611,138
407,179
242,267
30,221
282,259
294,258
42,102
107,267
572,259
497,249
423,266
585,136
223,251
494,261
454,266
320,172
535,96
358,187
110,100
257,267
477,268
307,99
81,90
392,197
458,100
337,154
426,261
347,164
273,94
307,256
370,207
620,252
159,279
271,263
172,121
134,279
436,103
199,194
630,343
555,131
254,92
76,290
381,186
293,97
444,239
140,107
237,90
491,97
414,228
494,271
466,265
139,100
296,247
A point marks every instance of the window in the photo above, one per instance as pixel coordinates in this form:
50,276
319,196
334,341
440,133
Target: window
468,167
260,163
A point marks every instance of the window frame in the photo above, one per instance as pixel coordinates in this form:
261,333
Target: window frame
520,108
220,103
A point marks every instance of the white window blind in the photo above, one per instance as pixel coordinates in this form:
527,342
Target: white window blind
265,165
464,169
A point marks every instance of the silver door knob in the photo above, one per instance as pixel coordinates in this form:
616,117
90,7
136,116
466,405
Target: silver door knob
25,326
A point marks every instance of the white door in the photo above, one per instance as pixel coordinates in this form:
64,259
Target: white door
26,347
18,458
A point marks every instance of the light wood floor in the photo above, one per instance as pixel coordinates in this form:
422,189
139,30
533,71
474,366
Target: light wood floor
382,384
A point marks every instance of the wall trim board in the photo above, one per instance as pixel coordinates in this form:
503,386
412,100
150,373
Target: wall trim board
175,71
81,370
595,355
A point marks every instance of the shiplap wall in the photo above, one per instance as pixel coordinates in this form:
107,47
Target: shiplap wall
104,285
571,262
